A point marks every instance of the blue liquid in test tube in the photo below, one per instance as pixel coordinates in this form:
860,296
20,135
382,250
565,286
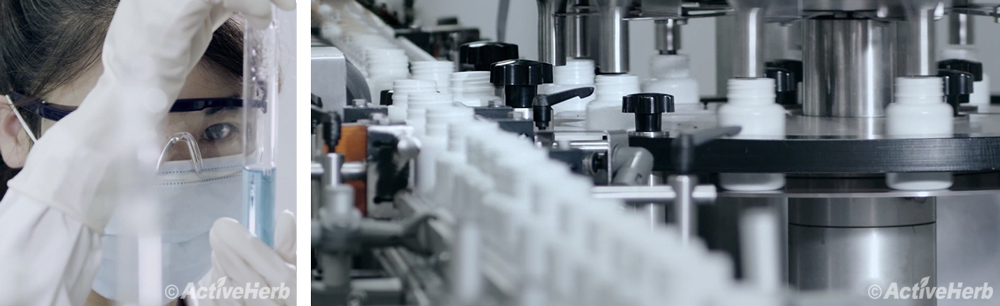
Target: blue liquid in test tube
260,91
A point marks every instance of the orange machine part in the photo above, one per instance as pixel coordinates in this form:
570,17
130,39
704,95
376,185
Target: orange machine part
354,146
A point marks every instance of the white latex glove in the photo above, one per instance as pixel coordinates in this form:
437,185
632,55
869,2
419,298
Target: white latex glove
244,260
150,49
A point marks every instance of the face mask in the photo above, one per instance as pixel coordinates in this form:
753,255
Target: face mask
190,203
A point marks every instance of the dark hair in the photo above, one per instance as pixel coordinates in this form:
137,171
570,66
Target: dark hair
45,44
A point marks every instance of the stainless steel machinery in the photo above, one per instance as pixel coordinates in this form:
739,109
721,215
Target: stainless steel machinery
835,233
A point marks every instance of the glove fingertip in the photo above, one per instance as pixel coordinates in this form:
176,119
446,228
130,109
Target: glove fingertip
288,5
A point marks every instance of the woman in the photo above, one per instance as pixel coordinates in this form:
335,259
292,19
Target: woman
74,87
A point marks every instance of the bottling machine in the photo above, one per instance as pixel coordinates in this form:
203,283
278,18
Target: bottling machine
849,159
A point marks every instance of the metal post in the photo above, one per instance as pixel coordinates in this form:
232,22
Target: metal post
961,27
613,57
918,44
685,208
749,52
668,36
551,30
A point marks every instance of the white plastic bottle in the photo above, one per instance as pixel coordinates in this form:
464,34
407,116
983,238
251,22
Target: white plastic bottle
575,74
605,112
919,112
981,89
384,67
437,71
751,106
472,88
401,91
672,75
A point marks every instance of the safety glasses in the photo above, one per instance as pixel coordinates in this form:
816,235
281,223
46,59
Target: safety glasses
56,112
205,128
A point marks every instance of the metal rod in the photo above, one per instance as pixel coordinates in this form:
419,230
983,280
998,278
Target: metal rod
749,58
657,213
668,36
685,209
551,30
613,56
961,27
759,237
578,42
919,43
657,194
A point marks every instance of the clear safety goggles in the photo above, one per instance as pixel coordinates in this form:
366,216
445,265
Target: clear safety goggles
197,129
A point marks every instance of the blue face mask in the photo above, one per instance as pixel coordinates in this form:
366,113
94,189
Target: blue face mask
190,202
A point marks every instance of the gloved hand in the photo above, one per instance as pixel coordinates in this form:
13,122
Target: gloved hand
244,260
150,49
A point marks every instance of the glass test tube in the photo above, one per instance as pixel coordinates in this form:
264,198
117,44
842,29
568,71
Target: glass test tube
260,92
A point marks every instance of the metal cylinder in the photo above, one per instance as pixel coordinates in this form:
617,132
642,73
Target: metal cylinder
961,29
848,66
336,270
685,210
655,212
853,244
668,36
749,59
784,41
613,55
332,163
551,30
916,43
577,31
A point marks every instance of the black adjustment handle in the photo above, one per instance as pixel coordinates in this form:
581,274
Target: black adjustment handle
648,108
541,106
787,74
478,56
957,87
385,97
683,145
975,68
520,79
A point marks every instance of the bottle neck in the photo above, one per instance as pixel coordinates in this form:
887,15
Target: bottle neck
919,90
750,91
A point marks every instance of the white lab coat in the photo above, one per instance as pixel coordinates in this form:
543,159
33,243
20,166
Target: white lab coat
46,257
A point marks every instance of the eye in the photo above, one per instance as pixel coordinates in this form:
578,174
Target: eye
218,131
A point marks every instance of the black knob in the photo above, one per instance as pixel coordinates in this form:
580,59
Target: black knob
520,79
974,68
478,56
787,75
957,87
647,108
